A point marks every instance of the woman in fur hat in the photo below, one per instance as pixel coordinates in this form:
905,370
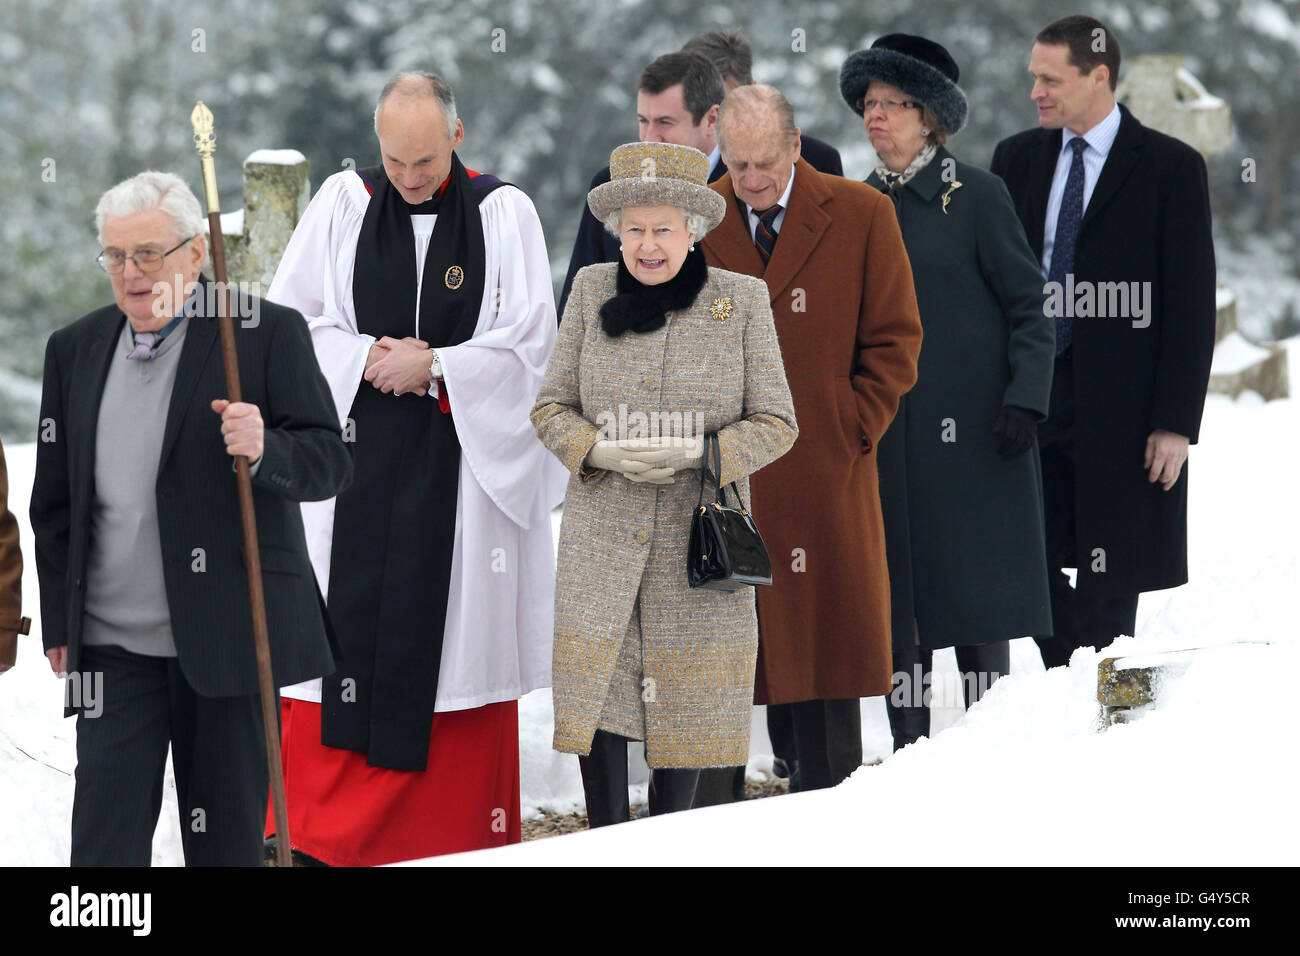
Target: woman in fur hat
655,352
960,484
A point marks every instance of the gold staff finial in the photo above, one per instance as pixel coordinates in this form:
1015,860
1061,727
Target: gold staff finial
205,141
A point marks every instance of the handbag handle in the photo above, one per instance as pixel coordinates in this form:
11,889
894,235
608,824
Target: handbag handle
713,462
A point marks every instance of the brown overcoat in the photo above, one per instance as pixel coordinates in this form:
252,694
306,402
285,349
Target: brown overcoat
846,316
638,651
11,574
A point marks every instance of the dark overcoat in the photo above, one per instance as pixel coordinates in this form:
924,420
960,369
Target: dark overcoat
845,311
304,458
1148,221
964,528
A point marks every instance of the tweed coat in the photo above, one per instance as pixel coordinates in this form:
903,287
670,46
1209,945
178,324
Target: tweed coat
845,310
621,572
963,527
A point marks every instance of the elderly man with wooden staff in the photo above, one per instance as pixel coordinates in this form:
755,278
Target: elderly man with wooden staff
136,516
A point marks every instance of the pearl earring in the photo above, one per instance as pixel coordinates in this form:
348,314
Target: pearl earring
925,132
692,248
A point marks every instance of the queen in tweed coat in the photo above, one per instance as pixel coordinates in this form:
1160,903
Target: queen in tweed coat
637,651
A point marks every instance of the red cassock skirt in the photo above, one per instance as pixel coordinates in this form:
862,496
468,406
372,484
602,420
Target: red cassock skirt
344,812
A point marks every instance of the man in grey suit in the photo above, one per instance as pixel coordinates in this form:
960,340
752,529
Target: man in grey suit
144,594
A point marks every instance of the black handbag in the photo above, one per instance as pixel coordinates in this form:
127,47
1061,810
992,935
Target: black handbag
726,552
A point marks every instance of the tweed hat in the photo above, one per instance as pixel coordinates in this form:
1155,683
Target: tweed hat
658,174
919,67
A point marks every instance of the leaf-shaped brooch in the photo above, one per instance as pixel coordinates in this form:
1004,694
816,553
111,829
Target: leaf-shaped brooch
948,195
721,308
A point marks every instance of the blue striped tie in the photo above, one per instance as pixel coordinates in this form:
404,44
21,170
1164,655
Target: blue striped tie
1067,236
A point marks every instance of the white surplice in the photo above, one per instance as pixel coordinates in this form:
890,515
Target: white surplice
500,607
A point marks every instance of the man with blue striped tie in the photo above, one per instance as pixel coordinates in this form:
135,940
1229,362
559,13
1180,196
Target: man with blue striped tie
1119,216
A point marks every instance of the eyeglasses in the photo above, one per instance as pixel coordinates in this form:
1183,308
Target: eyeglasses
146,260
889,106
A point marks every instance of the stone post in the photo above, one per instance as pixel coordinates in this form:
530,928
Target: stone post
276,192
1164,95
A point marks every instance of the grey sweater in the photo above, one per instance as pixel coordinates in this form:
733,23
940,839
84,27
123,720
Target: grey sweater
126,600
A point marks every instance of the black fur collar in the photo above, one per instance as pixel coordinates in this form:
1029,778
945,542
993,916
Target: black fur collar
637,307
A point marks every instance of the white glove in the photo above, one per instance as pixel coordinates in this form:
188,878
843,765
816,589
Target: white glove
685,452
637,464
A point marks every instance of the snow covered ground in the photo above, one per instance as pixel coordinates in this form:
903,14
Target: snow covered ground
1208,777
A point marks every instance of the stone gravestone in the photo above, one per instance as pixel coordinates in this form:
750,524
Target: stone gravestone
276,192
1164,95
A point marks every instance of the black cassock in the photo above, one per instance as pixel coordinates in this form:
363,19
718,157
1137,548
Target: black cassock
390,563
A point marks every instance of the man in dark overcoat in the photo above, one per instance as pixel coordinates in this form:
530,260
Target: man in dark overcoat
1119,216
135,512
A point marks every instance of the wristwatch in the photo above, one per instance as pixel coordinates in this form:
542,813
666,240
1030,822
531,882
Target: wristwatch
435,367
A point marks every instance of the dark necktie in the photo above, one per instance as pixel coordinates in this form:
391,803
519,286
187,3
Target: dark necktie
1067,235
765,233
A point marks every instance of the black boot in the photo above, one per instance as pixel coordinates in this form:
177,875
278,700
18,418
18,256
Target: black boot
909,715
604,780
672,789
908,724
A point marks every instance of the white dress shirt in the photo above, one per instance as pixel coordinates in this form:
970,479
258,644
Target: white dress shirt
1099,139
783,202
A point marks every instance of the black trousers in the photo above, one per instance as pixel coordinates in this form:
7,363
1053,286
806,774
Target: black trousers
780,730
1093,617
827,740
218,754
909,717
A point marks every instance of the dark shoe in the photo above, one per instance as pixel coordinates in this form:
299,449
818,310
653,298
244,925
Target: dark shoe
604,780
780,768
672,789
908,724
270,848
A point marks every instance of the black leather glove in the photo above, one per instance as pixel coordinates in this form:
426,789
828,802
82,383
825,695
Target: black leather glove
1015,430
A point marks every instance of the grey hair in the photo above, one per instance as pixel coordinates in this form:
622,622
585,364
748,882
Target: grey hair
696,224
419,83
152,190
744,102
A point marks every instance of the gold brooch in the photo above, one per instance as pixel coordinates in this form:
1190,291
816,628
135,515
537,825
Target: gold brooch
454,277
721,308
948,195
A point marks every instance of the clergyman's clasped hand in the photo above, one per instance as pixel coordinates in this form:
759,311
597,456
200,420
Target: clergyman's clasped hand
653,460
399,365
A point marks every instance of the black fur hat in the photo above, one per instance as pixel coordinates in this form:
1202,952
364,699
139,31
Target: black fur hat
919,67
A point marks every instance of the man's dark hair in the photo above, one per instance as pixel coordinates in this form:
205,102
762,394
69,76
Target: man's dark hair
1090,43
729,51
700,80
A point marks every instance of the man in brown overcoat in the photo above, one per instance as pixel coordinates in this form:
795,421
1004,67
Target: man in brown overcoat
841,288
12,623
